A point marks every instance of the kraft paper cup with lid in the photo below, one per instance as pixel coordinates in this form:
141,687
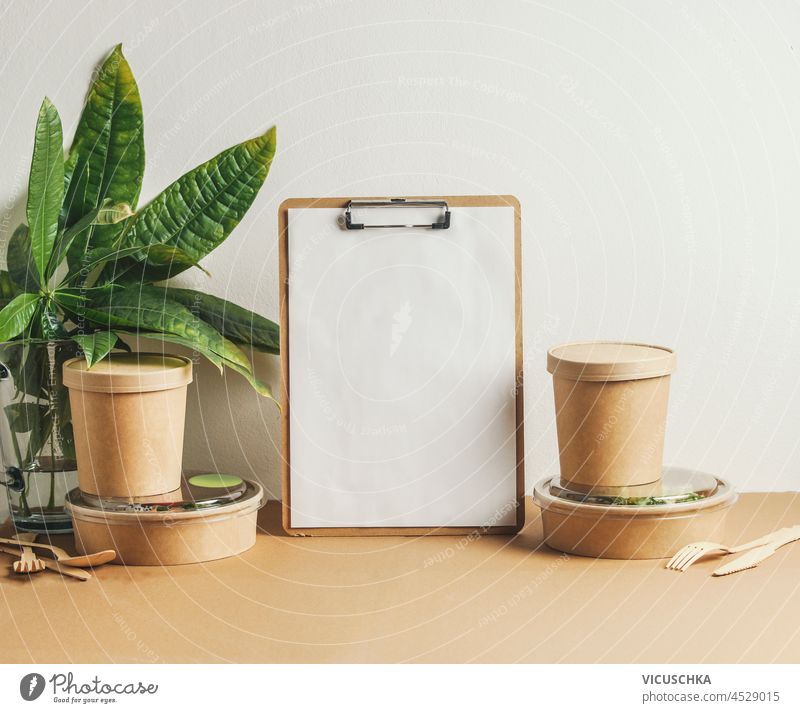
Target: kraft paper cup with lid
611,409
128,414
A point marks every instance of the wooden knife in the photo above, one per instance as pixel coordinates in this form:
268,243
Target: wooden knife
756,556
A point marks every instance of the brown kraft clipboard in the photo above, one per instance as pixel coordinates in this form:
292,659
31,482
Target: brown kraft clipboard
283,253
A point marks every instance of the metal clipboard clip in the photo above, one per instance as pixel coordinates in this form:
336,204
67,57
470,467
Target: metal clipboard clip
346,220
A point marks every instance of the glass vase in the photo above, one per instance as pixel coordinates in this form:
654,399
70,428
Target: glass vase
36,441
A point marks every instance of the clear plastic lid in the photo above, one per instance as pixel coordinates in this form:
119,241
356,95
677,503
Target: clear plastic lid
677,485
199,491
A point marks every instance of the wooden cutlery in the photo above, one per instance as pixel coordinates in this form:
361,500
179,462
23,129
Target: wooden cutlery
688,555
54,564
62,562
756,551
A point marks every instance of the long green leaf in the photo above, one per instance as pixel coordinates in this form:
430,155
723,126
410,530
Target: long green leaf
107,154
67,237
20,260
235,322
167,260
218,361
197,212
16,315
140,309
148,309
261,387
59,394
234,358
192,345
96,258
45,186
107,214
96,346
38,437
25,416
152,264
230,351
52,327
33,419
28,368
8,290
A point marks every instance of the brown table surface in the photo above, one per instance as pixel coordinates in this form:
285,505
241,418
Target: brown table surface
434,599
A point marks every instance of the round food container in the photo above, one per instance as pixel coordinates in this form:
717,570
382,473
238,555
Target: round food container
195,524
611,411
128,414
644,522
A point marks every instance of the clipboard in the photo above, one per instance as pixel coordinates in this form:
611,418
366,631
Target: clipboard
335,480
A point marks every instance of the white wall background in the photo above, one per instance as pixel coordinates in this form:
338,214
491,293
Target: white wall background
653,146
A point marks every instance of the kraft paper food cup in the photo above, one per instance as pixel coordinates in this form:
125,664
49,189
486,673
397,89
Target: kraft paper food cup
128,414
611,409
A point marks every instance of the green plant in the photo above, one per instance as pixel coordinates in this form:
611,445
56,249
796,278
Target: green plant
88,265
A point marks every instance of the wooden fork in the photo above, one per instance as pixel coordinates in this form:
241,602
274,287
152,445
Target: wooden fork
28,563
688,555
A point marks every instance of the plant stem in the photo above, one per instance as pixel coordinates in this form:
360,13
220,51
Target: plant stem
23,498
51,381
51,502
17,451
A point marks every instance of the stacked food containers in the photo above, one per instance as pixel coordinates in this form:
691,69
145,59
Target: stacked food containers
128,414
613,498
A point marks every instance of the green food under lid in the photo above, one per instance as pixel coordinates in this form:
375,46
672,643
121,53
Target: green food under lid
215,480
677,485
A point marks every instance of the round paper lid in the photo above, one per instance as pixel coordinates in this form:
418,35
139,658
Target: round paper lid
122,372
677,485
610,361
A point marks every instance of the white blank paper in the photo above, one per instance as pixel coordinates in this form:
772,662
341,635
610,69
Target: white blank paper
402,370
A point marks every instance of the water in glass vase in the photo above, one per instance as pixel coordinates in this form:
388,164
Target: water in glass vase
38,451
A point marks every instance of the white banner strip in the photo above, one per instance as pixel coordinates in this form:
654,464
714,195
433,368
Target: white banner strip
406,689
